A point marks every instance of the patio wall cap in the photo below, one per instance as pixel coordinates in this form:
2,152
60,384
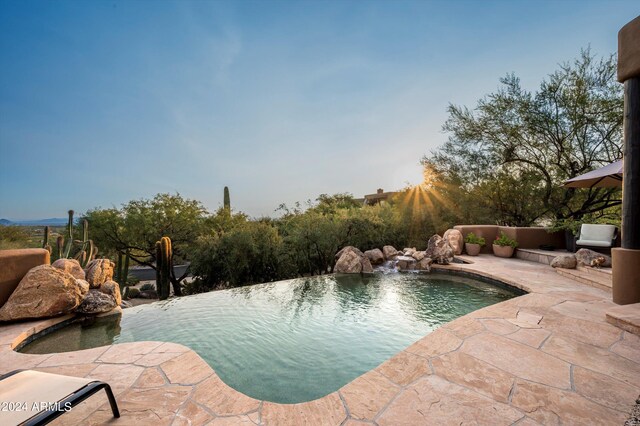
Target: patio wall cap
629,51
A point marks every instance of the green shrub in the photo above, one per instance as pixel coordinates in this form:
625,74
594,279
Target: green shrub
471,238
503,240
147,287
132,293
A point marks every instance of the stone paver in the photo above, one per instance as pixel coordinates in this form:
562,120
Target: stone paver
547,357
626,317
593,358
368,394
603,389
551,406
518,359
628,347
404,368
192,414
470,372
328,410
186,369
435,398
222,400
533,337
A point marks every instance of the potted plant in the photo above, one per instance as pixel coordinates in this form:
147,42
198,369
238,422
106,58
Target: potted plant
503,246
570,227
472,244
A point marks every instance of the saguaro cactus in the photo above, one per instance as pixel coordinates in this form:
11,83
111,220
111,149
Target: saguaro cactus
70,229
227,199
122,269
164,259
45,241
60,246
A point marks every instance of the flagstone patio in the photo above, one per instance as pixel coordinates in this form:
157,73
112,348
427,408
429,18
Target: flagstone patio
547,357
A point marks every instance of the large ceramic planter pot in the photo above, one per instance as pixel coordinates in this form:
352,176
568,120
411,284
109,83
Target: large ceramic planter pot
472,249
503,251
570,241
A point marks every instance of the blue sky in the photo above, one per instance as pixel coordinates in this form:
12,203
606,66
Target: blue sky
102,102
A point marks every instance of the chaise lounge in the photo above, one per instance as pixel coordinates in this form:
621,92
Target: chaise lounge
36,398
596,236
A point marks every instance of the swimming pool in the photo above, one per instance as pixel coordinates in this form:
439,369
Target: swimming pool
295,340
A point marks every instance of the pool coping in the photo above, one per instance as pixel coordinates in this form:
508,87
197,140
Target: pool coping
528,360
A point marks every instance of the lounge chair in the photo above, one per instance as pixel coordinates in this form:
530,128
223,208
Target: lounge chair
35,398
596,236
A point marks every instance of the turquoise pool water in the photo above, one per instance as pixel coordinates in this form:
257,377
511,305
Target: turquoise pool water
295,340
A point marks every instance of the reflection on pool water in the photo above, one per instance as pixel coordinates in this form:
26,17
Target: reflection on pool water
296,340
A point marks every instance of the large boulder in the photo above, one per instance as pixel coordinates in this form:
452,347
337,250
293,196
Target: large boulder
566,261
455,240
99,271
419,255
408,251
96,302
375,256
71,266
424,264
439,250
111,288
389,252
592,258
348,248
350,262
405,263
43,292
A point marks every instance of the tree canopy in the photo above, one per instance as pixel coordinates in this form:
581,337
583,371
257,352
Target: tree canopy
513,151
137,226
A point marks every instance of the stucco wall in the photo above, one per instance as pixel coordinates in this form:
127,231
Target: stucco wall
14,264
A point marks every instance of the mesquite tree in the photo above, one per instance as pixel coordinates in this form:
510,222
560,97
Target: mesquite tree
570,125
139,224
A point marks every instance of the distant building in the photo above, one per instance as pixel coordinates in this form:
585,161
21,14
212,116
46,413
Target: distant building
379,196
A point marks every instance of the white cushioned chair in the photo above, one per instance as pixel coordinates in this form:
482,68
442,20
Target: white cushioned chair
36,398
592,235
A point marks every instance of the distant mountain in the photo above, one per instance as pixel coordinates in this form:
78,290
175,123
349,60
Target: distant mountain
54,221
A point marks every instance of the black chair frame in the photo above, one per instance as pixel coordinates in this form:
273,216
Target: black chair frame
72,400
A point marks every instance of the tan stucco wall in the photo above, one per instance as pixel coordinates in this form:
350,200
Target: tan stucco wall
14,264
629,50
527,237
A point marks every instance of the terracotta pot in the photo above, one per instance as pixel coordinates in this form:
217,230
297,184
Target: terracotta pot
503,251
472,249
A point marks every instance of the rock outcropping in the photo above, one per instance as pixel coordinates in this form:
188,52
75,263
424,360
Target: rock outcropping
99,271
375,256
455,240
44,292
96,302
389,252
592,258
71,266
112,289
352,261
439,250
566,261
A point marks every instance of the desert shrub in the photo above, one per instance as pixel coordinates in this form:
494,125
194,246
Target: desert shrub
132,293
147,287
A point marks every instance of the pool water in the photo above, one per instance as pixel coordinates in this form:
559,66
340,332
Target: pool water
297,340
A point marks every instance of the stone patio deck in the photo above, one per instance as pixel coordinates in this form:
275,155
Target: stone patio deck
548,357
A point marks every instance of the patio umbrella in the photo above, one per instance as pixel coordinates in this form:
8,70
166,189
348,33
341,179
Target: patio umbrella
609,176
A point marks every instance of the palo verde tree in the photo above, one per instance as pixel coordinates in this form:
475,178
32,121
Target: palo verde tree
535,141
137,226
